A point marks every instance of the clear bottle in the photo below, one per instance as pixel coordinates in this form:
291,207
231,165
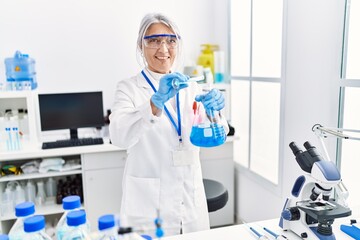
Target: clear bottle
22,211
219,66
2,134
34,228
50,187
7,203
30,191
107,228
41,195
23,124
14,129
69,203
78,229
9,124
19,194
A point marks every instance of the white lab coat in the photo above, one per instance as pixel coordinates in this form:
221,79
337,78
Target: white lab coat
153,179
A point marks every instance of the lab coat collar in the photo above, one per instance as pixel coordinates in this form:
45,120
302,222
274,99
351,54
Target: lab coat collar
153,76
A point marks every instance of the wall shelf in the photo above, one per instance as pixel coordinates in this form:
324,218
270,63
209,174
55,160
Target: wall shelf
38,175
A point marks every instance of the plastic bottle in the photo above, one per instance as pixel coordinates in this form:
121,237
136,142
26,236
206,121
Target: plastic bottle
20,72
50,187
7,204
219,66
70,203
209,78
78,230
23,124
10,123
22,211
2,134
41,195
19,194
206,58
107,228
34,228
30,191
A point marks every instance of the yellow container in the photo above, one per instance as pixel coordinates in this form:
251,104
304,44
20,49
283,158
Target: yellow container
206,58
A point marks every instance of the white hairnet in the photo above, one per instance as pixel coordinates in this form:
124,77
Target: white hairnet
146,22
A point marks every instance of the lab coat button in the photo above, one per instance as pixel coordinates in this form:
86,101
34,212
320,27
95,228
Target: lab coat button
152,120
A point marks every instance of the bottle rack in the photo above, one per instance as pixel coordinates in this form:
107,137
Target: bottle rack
50,208
21,100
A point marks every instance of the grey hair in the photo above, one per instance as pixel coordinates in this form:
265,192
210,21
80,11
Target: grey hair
146,22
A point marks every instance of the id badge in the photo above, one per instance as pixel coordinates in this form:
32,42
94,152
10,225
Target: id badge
183,157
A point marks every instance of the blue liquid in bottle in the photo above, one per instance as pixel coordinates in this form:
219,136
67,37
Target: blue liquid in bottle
204,135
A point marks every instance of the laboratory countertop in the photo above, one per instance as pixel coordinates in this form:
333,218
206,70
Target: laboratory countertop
35,151
243,232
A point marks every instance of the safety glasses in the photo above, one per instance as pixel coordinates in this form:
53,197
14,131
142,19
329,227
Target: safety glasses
155,41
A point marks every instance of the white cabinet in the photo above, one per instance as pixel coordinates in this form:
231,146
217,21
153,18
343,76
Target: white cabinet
101,170
217,164
102,179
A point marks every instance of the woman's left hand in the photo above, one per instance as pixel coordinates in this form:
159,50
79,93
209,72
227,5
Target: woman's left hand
213,100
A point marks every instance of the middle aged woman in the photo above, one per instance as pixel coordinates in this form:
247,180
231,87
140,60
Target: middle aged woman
153,121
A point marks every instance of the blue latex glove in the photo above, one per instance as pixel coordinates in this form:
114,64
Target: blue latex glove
213,100
166,90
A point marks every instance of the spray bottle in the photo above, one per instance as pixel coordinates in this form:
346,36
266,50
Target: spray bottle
206,58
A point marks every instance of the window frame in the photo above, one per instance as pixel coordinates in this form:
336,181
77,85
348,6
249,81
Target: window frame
246,170
343,81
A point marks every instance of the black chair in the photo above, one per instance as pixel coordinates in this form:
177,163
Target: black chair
216,195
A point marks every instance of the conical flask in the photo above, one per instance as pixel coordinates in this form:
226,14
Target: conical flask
207,129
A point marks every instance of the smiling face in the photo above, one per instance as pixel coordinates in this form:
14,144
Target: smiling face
160,59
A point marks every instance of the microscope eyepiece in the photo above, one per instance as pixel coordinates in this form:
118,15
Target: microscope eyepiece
295,149
308,145
305,158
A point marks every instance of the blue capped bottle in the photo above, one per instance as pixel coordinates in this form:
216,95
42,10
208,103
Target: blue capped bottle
20,72
69,203
34,228
107,227
78,230
22,211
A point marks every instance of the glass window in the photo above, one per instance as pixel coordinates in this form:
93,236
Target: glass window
240,112
353,42
349,152
240,37
266,39
350,104
265,128
256,50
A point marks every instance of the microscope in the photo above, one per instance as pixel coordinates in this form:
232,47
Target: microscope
317,197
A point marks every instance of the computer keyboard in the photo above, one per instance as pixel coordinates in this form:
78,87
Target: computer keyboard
72,143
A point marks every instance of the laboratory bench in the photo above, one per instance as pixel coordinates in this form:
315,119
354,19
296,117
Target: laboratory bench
243,232
101,167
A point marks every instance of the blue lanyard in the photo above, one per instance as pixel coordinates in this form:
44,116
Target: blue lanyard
178,127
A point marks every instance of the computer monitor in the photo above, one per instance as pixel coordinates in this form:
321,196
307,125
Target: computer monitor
71,111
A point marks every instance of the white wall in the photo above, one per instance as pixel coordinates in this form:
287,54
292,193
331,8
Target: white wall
91,44
312,68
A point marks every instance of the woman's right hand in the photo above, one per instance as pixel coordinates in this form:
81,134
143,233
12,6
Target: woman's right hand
166,89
